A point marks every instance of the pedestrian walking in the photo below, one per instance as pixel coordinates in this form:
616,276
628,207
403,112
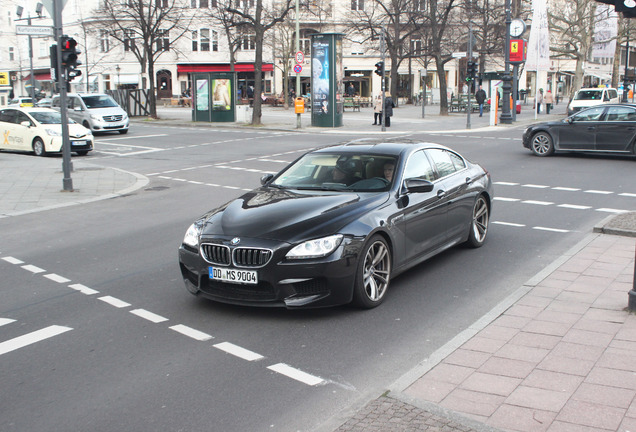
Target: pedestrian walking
539,101
480,97
377,110
388,109
549,100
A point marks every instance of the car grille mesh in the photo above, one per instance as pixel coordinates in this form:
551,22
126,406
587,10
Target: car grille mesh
240,257
113,118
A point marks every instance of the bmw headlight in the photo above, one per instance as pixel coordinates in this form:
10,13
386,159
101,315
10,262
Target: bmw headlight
191,237
316,248
53,132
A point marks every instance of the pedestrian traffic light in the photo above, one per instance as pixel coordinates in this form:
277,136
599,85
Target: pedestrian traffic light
379,68
69,51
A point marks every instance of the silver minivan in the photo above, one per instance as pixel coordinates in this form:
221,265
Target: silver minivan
95,111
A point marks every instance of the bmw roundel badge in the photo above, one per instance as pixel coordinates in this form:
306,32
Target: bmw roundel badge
235,241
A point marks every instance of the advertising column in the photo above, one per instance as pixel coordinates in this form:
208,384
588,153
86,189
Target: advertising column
213,97
326,80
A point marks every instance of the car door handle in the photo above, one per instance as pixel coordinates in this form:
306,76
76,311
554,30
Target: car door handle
469,180
591,128
441,193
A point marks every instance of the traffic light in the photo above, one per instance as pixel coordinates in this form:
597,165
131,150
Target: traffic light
379,68
53,55
471,70
69,52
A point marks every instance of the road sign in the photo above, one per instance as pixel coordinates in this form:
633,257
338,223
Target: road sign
31,30
459,54
300,57
298,68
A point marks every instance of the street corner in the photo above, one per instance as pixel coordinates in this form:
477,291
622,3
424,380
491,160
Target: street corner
623,224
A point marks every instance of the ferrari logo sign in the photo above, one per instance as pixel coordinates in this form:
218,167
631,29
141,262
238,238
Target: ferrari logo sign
517,50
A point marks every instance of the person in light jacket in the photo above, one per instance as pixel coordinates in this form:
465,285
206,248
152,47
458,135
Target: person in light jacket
549,100
388,109
377,110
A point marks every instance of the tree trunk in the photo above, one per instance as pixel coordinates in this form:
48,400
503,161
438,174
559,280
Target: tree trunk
443,86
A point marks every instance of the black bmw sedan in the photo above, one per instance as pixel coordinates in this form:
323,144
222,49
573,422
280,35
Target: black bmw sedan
606,128
336,225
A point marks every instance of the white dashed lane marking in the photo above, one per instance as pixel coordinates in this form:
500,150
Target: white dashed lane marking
239,352
296,374
114,302
192,333
152,317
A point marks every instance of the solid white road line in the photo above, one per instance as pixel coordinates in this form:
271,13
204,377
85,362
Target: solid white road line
5,321
30,338
296,374
190,332
543,203
237,351
114,302
550,229
611,210
600,192
508,224
153,317
575,207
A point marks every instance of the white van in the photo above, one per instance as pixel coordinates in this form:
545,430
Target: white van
94,111
587,97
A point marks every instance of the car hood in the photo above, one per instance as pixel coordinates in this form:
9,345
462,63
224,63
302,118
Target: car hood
289,215
107,111
75,130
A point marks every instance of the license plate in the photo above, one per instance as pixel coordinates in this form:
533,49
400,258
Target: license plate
233,275
78,143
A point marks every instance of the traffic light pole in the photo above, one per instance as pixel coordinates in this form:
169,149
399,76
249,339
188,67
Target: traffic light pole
383,115
506,116
469,107
67,181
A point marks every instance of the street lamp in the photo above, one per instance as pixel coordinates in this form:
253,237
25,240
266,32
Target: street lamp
506,115
117,68
19,11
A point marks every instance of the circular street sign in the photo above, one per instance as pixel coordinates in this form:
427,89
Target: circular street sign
298,68
300,57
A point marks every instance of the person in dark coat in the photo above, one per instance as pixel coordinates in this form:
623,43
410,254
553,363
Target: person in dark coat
388,109
480,97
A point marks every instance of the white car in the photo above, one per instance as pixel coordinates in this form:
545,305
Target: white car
21,102
588,97
95,111
39,130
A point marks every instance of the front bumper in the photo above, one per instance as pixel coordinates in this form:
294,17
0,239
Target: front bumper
54,145
327,281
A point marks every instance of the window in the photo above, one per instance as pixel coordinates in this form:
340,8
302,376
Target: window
162,4
129,39
205,40
244,4
357,5
248,43
104,41
163,40
443,162
416,47
419,5
592,114
11,54
200,4
621,114
418,166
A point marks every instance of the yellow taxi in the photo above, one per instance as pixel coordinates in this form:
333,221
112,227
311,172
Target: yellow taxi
39,130
21,102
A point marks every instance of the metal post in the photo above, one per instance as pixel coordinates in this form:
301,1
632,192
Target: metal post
625,80
515,90
382,84
631,304
469,107
506,117
67,181
31,77
423,91
298,121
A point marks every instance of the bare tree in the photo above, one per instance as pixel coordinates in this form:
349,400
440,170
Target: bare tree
396,21
282,44
143,27
572,34
259,20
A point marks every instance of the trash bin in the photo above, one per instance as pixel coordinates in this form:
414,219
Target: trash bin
518,107
299,105
244,113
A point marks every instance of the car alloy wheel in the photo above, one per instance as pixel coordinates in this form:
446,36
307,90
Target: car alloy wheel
374,273
479,224
542,144
38,147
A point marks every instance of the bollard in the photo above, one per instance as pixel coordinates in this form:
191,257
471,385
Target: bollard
631,303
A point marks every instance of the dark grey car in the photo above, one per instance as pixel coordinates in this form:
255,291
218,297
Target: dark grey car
608,128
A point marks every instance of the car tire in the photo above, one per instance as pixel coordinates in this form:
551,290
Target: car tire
479,223
373,274
82,153
86,125
123,131
542,144
38,147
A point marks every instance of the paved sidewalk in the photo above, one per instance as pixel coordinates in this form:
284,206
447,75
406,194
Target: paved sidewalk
558,355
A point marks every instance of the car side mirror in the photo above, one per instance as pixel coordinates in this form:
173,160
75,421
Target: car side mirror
266,179
78,109
570,120
26,123
416,185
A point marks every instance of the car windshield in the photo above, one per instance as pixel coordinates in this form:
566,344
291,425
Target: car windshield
347,172
101,101
49,117
589,95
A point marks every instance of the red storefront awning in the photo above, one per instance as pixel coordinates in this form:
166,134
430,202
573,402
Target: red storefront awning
45,76
224,67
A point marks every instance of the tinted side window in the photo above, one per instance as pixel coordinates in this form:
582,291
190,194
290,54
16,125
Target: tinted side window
620,114
21,117
592,114
443,162
7,116
459,163
55,102
418,166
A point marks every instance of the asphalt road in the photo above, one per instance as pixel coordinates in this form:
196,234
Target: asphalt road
145,355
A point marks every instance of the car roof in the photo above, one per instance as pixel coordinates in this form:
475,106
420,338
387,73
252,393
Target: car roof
381,148
31,109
